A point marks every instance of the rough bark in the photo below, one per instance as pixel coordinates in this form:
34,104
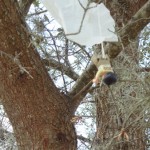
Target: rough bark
130,31
123,10
39,114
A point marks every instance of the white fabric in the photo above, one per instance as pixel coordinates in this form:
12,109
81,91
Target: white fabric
98,25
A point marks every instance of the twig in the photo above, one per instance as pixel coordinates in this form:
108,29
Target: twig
85,88
17,62
57,53
37,13
117,111
83,17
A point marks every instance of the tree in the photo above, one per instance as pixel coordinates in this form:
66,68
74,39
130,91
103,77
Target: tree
39,112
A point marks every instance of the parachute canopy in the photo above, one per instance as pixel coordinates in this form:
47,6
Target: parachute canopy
83,22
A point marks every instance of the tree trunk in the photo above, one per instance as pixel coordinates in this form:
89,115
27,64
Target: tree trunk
39,114
120,114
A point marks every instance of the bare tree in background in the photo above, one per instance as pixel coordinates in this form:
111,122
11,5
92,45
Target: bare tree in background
41,87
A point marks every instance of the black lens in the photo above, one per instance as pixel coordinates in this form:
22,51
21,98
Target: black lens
110,78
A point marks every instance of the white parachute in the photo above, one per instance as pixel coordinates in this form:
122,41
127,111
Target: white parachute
83,22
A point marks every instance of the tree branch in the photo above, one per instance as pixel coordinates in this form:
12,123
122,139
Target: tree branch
66,70
130,31
84,79
37,13
127,34
80,95
147,69
82,86
25,6
80,137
